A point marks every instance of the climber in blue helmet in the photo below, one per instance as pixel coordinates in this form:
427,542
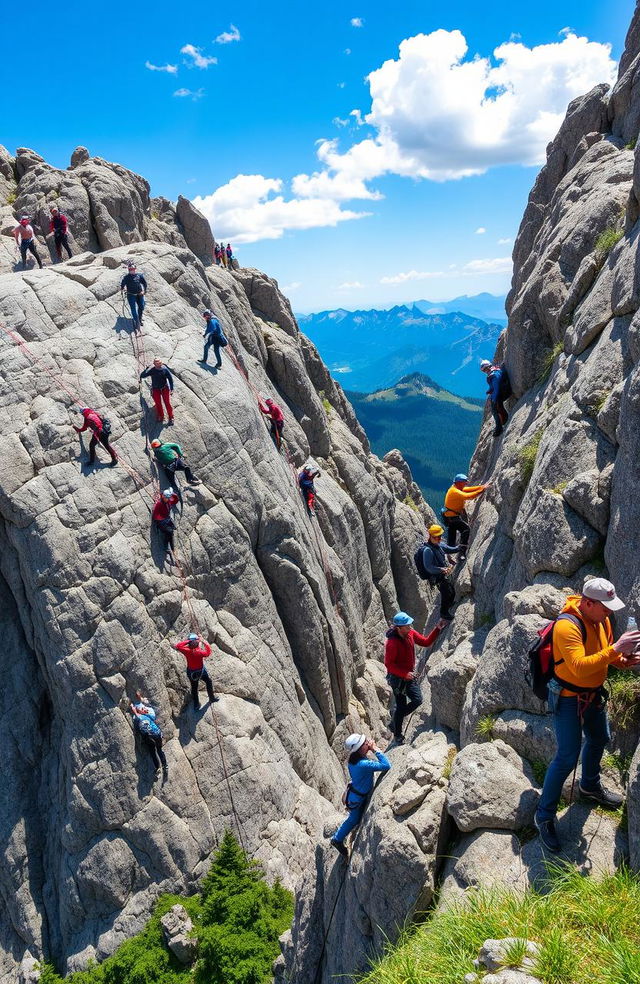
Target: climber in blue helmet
362,771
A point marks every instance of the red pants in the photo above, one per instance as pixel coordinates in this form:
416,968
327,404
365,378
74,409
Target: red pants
310,499
158,397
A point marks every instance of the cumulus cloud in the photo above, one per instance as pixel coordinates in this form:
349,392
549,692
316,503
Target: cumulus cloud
480,231
252,207
198,60
171,69
439,114
289,288
495,265
347,51
357,22
500,264
353,285
233,34
504,242
403,278
195,94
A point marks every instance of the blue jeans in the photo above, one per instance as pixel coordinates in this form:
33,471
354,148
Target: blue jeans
216,348
569,733
354,818
136,303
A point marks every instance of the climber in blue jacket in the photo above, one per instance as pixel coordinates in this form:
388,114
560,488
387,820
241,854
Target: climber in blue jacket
362,771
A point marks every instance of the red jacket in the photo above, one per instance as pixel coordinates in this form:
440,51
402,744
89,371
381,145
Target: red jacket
162,507
400,654
274,412
92,420
59,224
194,655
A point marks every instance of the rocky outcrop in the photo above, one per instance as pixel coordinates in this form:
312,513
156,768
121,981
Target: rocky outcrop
177,928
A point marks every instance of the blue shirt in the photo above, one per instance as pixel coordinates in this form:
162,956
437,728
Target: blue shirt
213,329
363,772
494,378
133,283
434,557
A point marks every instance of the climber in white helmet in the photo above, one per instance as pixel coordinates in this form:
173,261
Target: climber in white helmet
362,771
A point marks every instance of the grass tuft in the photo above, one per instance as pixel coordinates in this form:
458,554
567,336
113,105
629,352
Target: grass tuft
624,699
559,488
631,145
325,403
527,455
448,765
411,502
485,726
539,769
606,241
547,364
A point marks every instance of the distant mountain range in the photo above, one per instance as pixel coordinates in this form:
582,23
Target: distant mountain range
488,307
371,350
435,430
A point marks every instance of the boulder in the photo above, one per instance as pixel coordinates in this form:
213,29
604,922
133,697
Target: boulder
177,928
491,786
196,230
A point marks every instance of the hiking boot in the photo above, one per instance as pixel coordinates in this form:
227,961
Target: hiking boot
339,846
157,776
114,462
498,431
603,797
165,774
218,365
194,481
399,739
170,422
214,699
548,835
203,362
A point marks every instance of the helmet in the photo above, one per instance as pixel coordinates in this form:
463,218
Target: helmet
156,443
24,219
82,409
461,477
354,742
207,313
269,402
131,265
435,530
192,637
485,364
402,619
167,493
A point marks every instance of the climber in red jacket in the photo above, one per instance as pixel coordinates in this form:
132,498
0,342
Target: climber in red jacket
100,429
161,516
276,416
400,663
195,650
59,226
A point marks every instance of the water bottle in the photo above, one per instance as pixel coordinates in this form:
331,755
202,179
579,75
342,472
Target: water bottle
632,625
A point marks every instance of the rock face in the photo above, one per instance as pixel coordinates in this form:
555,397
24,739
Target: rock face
295,609
177,928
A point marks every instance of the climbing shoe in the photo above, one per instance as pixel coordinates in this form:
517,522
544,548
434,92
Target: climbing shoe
339,846
603,797
165,774
195,481
548,835
497,432
114,462
157,774
398,739
218,365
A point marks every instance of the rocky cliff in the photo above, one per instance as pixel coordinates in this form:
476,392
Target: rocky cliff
295,608
562,504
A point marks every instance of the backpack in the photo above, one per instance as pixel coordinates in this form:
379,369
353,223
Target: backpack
541,664
418,559
504,390
148,727
106,427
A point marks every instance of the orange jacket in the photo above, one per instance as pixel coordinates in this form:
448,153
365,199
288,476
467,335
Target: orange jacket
584,664
455,499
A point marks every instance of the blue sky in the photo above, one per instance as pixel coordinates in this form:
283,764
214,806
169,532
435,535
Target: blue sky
378,211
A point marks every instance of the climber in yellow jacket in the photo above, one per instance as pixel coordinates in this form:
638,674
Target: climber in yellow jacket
583,651
454,515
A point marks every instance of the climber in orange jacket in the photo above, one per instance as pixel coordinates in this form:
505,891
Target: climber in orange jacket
453,513
400,663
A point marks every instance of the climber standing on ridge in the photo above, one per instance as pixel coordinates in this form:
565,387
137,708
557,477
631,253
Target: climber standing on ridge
161,388
171,457
499,390
438,568
271,410
135,285
161,516
223,255
100,428
400,663
25,239
195,650
144,722
229,252
583,651
362,771
59,226
216,254
305,481
454,515
213,335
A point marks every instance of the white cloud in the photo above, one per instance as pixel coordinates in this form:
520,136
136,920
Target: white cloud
185,93
191,181
403,278
251,207
504,242
439,114
357,22
497,265
171,69
289,288
341,85
354,285
501,264
233,34
347,51
338,121
480,231
198,59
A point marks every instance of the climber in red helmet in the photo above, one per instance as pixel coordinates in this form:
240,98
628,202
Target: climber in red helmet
100,428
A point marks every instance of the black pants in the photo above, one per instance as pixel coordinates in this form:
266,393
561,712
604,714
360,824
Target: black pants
178,464
407,695
277,426
500,415
61,239
154,744
29,245
104,441
195,676
167,527
447,597
216,348
457,525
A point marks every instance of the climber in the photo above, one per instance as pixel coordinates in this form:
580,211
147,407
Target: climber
161,388
144,722
136,287
499,390
223,255
216,254
161,516
305,481
229,252
438,568
100,428
361,772
59,226
171,457
271,410
195,651
453,513
25,238
400,663
213,335
583,650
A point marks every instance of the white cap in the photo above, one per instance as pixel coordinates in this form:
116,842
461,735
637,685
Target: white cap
168,493
354,742
599,589
485,364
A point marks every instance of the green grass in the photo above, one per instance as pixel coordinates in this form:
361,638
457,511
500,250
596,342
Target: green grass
631,145
607,240
539,769
448,765
325,403
559,488
587,928
484,727
619,763
486,620
624,699
237,919
527,455
410,501
595,405
547,364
